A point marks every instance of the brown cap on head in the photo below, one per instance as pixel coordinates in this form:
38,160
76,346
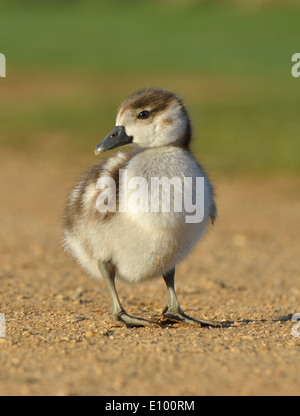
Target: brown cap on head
158,98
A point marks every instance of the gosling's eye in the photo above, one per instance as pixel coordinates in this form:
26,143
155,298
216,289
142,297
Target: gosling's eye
144,114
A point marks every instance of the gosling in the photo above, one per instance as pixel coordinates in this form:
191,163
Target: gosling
135,233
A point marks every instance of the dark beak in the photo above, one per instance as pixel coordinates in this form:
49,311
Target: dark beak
116,138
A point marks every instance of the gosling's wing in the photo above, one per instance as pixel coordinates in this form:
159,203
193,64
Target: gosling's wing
82,203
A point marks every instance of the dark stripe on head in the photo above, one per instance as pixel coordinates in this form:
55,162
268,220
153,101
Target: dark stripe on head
155,99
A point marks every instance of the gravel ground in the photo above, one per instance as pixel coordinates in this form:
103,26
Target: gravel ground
60,339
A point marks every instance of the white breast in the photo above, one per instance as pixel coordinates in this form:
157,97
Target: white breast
146,244
143,245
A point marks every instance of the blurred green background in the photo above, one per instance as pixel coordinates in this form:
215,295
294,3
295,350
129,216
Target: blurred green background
71,63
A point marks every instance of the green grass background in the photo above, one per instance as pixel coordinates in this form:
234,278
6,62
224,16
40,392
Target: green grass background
71,63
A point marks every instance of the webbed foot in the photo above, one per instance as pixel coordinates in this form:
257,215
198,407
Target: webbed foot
132,321
179,316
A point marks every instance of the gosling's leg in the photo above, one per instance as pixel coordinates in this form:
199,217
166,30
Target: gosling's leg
119,315
173,311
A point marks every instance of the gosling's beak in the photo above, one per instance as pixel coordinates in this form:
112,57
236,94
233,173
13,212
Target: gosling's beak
116,138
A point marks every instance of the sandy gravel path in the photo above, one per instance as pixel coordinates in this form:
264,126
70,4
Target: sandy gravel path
60,339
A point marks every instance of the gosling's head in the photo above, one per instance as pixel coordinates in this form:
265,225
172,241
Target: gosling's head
150,118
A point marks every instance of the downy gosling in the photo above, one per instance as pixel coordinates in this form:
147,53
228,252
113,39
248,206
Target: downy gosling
123,221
